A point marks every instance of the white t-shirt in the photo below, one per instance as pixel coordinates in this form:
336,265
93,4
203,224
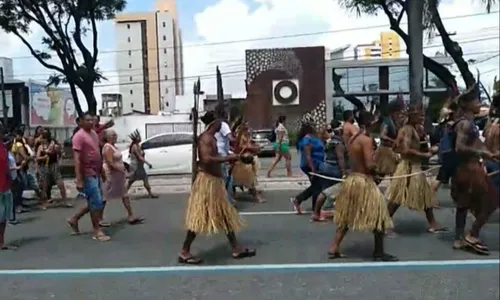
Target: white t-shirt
222,138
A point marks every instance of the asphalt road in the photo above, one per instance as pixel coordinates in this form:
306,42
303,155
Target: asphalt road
288,241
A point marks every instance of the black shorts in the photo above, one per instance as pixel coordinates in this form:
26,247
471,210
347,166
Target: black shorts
444,174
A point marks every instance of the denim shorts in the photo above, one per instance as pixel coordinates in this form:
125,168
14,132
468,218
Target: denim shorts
6,203
92,191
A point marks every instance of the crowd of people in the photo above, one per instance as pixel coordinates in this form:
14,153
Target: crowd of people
345,167
33,162
343,163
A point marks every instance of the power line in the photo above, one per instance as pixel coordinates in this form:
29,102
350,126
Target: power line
244,65
275,37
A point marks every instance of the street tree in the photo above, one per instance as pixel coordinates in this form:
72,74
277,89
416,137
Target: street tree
65,24
396,9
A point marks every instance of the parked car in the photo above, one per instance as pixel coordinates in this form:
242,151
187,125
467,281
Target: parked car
169,153
262,138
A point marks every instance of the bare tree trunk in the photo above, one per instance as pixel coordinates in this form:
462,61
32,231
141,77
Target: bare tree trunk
416,33
78,107
88,92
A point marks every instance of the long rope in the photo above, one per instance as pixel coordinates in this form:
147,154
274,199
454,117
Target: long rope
392,177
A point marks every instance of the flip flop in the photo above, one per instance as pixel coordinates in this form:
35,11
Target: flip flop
101,238
245,253
385,258
7,247
75,230
136,221
189,260
336,255
105,224
479,247
438,230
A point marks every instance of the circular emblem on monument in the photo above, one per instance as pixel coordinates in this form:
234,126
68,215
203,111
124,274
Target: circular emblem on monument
286,92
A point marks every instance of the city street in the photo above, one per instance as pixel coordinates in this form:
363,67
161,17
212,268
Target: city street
140,262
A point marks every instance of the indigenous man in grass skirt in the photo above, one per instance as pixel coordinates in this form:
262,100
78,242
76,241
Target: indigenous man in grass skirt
411,189
471,188
386,159
209,210
359,204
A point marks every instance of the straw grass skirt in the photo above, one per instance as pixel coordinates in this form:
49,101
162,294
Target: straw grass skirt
361,206
209,210
244,175
386,160
413,192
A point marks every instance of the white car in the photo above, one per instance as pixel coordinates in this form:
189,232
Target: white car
169,153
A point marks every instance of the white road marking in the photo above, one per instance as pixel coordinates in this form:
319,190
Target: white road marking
357,266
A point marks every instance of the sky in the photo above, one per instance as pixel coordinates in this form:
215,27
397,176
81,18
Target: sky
227,21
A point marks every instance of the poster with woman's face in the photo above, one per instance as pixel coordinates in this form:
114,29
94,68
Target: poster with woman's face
69,112
40,109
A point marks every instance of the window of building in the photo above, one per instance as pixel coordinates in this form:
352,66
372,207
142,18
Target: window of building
131,105
165,50
131,78
166,91
131,92
166,77
128,26
164,37
164,24
130,66
128,39
129,52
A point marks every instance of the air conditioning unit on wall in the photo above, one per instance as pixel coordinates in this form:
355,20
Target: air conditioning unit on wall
286,92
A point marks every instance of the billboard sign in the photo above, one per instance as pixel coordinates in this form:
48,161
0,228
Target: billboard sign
51,106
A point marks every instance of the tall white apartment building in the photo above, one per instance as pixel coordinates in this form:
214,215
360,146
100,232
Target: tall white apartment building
149,59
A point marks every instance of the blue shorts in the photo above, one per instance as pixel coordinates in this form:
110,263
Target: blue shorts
6,209
92,191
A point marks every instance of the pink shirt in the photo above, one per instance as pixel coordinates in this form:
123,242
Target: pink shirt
87,145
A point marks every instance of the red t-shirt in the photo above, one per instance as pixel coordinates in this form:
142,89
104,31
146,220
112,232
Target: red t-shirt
87,144
5,181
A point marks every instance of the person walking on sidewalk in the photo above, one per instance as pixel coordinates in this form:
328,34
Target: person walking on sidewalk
88,169
209,210
281,147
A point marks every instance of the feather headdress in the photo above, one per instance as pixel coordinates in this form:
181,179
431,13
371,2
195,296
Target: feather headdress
134,135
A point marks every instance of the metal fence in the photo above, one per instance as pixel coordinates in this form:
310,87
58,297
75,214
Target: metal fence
157,128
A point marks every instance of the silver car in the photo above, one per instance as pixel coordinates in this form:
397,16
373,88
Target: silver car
262,138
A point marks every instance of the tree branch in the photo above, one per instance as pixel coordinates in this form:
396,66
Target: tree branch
36,54
339,91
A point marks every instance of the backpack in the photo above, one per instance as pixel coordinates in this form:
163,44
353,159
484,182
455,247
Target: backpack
447,154
272,136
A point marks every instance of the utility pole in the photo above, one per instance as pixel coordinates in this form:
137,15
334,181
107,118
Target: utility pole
416,34
4,99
